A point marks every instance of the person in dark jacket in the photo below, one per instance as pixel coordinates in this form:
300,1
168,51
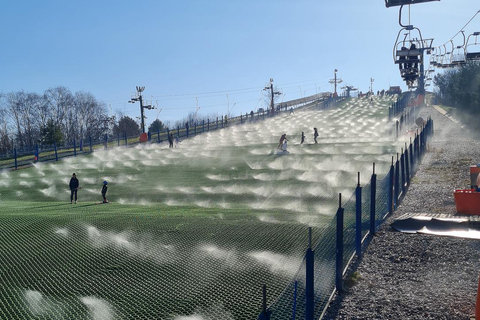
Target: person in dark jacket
104,192
74,185
170,140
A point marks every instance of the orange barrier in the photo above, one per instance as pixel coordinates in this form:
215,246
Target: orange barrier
143,138
467,201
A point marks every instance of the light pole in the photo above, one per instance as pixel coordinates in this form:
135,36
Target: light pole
138,97
273,93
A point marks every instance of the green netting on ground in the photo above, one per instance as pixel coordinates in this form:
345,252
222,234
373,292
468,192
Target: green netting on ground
324,280
190,232
74,261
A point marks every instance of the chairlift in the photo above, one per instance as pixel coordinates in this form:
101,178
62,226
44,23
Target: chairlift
445,58
440,58
472,49
408,54
392,3
433,61
458,53
448,59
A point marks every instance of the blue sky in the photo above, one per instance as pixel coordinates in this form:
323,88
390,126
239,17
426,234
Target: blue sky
217,55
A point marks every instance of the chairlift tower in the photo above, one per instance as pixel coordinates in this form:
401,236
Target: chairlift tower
138,97
335,81
272,93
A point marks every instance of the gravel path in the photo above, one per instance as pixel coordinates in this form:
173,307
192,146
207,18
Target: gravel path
418,276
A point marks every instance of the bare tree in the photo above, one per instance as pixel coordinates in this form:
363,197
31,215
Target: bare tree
15,103
5,140
30,118
89,115
60,101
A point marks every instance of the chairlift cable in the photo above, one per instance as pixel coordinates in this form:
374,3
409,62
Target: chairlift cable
463,28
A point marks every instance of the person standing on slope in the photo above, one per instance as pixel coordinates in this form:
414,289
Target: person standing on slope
104,192
74,185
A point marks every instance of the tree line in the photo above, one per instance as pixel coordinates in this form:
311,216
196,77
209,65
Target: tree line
460,89
61,116
57,115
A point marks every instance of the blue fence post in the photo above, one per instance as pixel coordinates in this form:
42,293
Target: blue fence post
203,126
309,279
90,141
411,156
186,128
265,315
158,135
81,145
195,127
217,124
126,140
358,218
74,148
339,247
118,139
178,131
423,141
294,300
15,157
390,189
417,147
397,183
106,141
149,136
208,124
373,196
407,169
55,148
402,171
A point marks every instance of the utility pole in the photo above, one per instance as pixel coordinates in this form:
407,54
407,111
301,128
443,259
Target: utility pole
273,93
335,81
371,85
138,97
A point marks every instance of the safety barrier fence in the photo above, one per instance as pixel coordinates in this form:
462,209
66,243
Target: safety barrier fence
25,156
403,102
321,273
403,112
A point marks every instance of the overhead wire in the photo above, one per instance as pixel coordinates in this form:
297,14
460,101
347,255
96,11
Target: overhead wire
212,94
462,29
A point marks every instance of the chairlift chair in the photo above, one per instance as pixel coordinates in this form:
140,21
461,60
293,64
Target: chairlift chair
458,53
408,54
472,49
445,59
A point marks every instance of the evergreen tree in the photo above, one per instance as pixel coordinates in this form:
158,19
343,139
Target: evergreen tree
126,125
156,126
51,133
